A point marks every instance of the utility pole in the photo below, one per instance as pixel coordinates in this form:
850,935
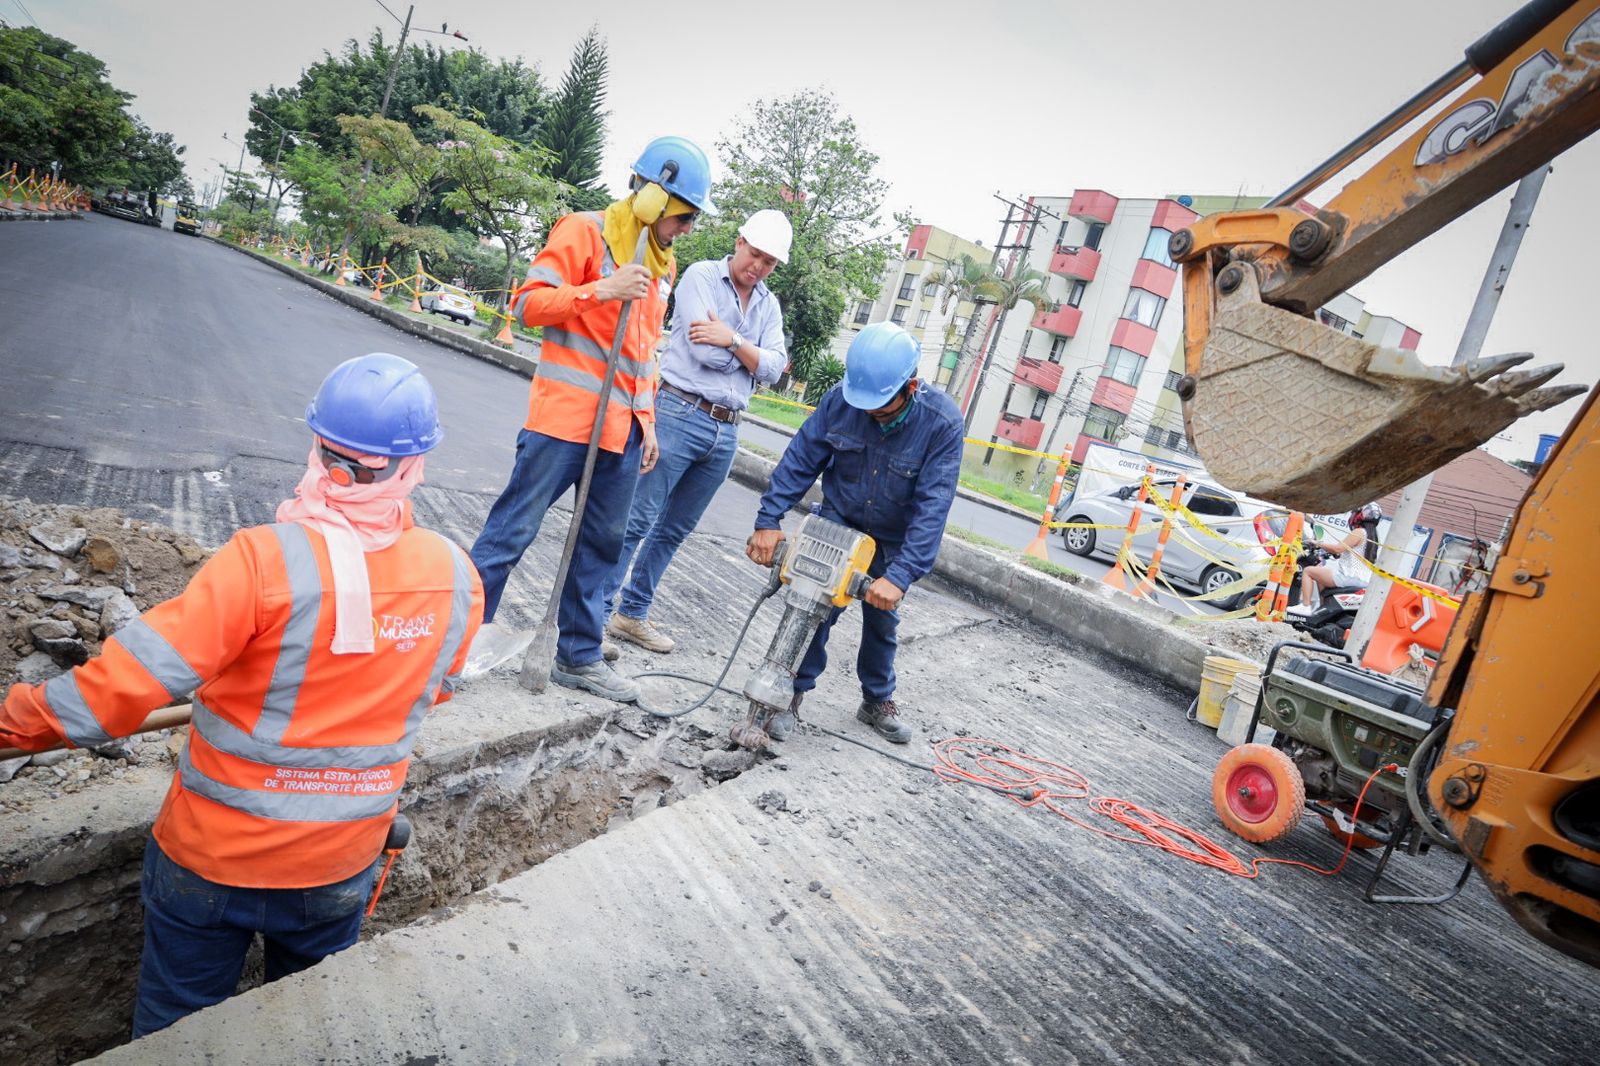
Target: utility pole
1392,556
383,112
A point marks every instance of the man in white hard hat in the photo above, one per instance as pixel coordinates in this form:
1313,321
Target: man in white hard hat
727,337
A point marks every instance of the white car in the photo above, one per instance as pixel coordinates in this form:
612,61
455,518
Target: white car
1243,521
449,301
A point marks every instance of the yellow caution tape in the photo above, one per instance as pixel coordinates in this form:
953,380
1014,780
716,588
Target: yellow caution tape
1420,590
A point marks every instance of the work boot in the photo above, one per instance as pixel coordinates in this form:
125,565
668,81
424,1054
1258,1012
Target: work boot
641,632
782,724
609,651
599,677
882,716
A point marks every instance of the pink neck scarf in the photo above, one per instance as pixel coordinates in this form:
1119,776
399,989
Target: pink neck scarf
353,520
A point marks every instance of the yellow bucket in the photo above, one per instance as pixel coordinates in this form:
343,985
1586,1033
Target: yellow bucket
1216,677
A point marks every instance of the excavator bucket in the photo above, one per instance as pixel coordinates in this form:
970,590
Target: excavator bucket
1290,410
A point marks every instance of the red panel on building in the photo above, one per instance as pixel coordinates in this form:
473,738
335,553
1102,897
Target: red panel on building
917,246
1132,336
1082,446
1173,216
1092,204
1063,323
1109,392
1041,374
1070,262
1151,276
1410,339
1023,432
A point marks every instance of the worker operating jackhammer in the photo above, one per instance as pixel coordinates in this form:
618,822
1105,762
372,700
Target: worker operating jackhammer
313,648
889,454
577,288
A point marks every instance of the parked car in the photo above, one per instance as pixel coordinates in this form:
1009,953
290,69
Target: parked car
1243,521
449,301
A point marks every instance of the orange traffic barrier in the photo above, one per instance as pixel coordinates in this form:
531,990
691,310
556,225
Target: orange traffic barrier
1116,577
10,179
1038,546
1147,583
416,290
1408,618
343,258
377,288
504,336
1274,599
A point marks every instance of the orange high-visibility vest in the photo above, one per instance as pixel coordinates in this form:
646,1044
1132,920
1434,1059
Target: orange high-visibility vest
295,756
578,329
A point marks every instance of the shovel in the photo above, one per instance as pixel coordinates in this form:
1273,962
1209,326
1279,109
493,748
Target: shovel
648,206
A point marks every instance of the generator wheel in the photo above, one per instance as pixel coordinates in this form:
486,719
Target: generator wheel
1357,840
1258,792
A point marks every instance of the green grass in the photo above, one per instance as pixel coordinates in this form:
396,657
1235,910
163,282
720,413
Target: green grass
1028,501
961,533
778,412
1044,566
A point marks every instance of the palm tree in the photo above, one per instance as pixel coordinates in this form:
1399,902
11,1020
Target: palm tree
961,280
1025,286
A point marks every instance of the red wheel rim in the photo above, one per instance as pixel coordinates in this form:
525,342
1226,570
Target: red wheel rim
1252,794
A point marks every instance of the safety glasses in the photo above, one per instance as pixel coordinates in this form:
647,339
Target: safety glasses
343,470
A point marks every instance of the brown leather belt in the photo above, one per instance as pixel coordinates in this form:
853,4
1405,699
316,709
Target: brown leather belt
715,410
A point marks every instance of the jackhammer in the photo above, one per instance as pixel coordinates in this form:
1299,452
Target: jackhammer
824,566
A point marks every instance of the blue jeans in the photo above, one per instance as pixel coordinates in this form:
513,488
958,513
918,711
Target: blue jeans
696,455
196,934
875,662
544,469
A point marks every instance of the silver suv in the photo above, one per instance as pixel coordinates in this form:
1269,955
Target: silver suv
1243,521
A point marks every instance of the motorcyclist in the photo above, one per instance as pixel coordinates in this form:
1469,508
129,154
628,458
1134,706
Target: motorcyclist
1344,569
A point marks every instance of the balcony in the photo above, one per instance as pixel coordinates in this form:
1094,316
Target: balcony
1173,216
1074,262
1042,375
1063,322
1135,337
1092,204
1023,432
1151,276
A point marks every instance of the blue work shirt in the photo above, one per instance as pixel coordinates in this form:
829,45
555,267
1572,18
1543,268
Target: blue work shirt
896,486
716,373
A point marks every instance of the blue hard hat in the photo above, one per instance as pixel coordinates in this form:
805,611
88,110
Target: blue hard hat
377,404
690,174
882,358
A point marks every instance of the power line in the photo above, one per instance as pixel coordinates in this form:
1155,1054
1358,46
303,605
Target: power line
26,12
385,6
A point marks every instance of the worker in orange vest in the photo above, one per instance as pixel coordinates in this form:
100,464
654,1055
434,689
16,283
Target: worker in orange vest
575,290
312,648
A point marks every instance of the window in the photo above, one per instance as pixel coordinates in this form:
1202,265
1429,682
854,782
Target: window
1144,308
1092,238
1027,338
959,323
1155,247
1173,377
863,312
1153,435
1058,348
930,289
1103,422
1038,406
898,315
1328,318
1075,292
1061,234
908,285
1210,501
1124,366
1175,440
912,254
922,319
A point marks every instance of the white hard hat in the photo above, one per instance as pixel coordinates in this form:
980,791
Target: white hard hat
769,231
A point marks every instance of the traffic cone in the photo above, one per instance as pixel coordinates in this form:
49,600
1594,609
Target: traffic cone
377,289
1038,548
416,288
504,337
339,276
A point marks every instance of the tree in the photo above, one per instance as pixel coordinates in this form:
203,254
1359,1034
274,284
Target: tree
575,126
150,161
56,106
395,151
1027,285
962,281
503,190
799,155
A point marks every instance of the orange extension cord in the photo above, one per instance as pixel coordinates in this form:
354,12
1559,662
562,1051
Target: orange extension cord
1030,781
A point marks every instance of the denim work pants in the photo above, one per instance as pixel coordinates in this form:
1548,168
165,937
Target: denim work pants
696,455
875,662
196,934
544,469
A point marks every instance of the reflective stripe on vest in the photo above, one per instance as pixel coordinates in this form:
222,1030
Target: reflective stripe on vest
294,649
231,740
586,381
159,658
460,605
77,720
285,806
588,346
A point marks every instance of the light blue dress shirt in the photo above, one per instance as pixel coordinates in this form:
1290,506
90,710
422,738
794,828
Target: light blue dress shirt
716,373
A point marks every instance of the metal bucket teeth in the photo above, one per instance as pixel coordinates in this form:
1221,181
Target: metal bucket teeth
1292,411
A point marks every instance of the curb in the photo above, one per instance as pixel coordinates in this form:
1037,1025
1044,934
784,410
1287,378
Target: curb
1088,613
36,216
444,335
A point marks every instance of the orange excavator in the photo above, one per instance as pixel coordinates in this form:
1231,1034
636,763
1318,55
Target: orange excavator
1511,774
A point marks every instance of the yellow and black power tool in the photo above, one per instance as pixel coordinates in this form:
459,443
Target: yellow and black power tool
824,566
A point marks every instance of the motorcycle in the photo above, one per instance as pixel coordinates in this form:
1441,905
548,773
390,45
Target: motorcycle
1330,621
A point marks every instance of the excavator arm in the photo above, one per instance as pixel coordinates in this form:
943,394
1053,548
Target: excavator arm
1263,380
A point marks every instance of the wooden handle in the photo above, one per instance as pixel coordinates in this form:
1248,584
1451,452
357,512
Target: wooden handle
162,718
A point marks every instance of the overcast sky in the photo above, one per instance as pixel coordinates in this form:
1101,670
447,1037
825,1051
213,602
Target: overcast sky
960,100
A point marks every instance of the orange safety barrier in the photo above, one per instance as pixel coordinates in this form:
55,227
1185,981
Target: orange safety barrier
344,257
1147,583
504,336
1274,599
1408,618
416,292
377,288
1117,577
1038,546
